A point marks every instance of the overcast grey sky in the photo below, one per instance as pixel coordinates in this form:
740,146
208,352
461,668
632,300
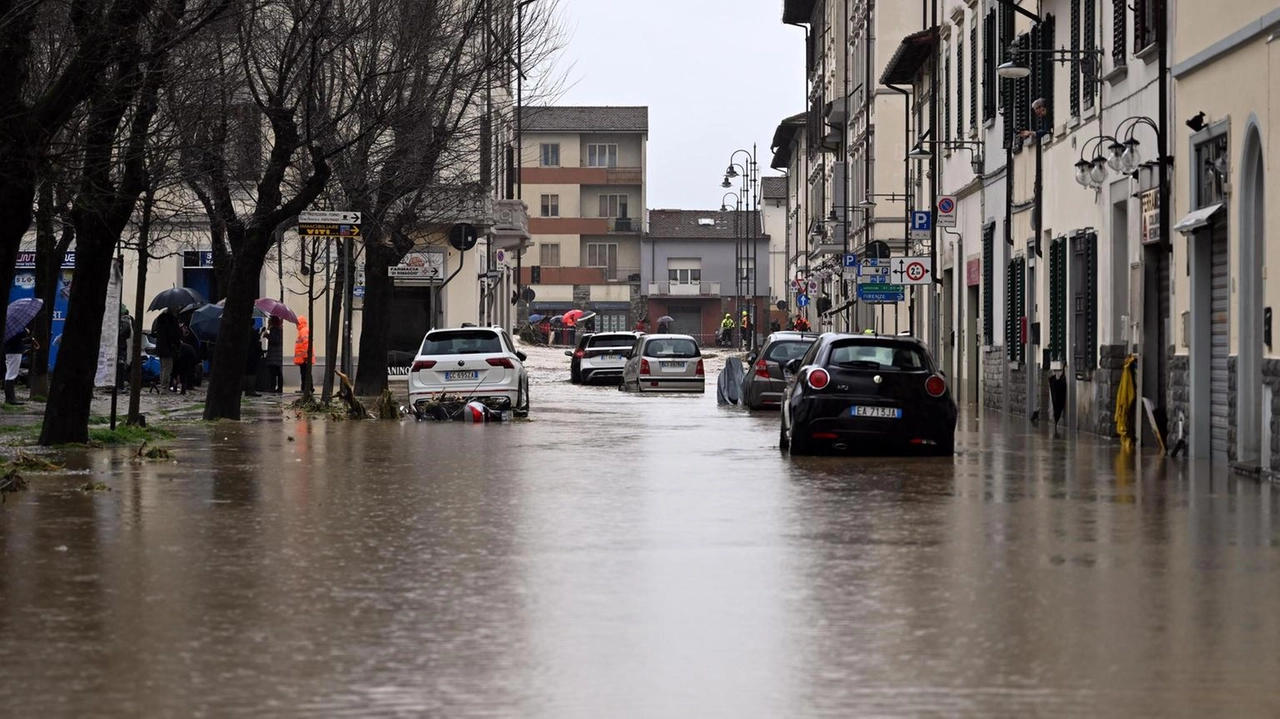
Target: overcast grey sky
717,75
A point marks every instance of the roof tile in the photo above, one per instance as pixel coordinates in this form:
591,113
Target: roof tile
686,225
585,119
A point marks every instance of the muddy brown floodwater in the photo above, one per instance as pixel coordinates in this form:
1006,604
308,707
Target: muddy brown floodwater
635,556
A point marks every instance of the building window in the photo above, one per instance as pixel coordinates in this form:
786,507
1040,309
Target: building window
946,94
1015,302
988,283
1022,94
549,255
960,86
602,155
603,255
973,74
1058,300
550,205
1075,49
1085,66
990,58
746,269
1145,16
550,156
684,271
1084,269
1119,32
1042,37
613,206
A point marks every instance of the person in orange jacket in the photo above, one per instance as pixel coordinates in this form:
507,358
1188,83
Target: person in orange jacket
302,355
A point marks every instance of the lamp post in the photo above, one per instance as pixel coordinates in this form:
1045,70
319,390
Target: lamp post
745,238
519,163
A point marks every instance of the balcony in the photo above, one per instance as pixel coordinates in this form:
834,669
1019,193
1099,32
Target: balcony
624,176
625,224
582,175
684,289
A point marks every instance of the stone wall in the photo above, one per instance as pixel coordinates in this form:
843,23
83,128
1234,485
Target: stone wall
1106,382
1271,378
1017,392
639,305
993,378
581,296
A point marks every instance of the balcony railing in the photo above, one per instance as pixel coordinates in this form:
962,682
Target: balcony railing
620,274
684,289
626,224
625,176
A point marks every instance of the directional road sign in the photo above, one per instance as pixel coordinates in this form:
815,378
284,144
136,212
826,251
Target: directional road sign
913,270
802,301
921,224
873,279
850,259
882,293
947,211
328,230
317,217
873,270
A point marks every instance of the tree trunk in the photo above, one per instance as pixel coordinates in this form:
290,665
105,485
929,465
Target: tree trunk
48,265
66,415
139,302
331,341
232,348
375,327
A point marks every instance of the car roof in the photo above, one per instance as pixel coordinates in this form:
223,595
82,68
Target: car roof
436,330
670,336
792,335
829,337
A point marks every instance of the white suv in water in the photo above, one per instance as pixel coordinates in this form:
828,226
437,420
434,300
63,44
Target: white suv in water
470,363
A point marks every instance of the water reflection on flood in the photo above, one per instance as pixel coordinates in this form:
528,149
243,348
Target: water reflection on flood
635,556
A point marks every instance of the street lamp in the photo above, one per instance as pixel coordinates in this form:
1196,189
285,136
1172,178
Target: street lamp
868,203
1089,60
1092,172
744,240
1011,70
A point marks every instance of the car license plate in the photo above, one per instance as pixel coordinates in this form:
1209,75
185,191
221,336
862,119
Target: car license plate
612,357
465,374
678,366
876,412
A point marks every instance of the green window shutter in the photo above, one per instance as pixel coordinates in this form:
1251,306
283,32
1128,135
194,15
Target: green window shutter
1085,247
988,283
990,58
973,74
1011,311
1021,304
1058,299
1075,47
1086,66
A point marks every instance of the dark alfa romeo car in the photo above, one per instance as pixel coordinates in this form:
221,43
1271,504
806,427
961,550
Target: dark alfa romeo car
867,393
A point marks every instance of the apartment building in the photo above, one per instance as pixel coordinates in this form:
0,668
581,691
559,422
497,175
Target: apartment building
698,265
848,154
582,174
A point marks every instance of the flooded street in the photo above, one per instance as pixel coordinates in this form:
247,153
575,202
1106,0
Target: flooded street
635,556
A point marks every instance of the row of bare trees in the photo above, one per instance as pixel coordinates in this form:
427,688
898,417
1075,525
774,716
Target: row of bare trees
127,118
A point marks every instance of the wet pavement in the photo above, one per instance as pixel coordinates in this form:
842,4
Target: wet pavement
635,556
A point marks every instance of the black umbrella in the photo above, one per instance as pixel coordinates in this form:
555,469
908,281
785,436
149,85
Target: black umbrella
206,322
175,298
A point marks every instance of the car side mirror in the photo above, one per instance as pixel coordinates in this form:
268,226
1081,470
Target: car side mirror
521,356
568,353
751,358
793,366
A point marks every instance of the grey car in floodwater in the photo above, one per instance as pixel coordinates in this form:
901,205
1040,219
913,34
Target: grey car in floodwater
664,363
765,377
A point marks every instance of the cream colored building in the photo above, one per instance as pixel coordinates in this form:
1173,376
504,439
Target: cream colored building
582,175
1225,129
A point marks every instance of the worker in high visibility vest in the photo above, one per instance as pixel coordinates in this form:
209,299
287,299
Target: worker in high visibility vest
302,355
726,330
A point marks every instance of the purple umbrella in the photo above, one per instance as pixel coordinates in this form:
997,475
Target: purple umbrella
20,314
275,308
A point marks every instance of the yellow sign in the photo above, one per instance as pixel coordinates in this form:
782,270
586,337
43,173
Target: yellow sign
328,230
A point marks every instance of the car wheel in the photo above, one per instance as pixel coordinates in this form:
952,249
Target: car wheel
575,376
799,447
522,406
947,447
783,442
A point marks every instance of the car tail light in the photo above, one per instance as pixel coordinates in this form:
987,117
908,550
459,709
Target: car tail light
762,369
644,366
423,364
818,378
580,353
702,370
935,386
825,435
500,362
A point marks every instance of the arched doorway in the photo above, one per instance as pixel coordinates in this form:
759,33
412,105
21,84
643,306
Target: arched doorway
1250,432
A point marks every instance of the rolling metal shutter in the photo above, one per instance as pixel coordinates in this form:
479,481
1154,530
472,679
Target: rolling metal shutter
1219,328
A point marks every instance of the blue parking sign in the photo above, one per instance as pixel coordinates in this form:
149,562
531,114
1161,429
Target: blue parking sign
850,259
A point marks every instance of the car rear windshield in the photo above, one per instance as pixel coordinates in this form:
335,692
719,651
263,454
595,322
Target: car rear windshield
782,352
461,342
611,341
675,347
882,355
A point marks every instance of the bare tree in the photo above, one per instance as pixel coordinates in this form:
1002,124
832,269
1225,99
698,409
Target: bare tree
112,175
437,141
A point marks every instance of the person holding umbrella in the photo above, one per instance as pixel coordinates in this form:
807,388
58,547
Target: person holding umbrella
17,339
168,335
275,353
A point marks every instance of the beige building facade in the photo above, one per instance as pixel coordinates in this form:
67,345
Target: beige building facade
582,175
